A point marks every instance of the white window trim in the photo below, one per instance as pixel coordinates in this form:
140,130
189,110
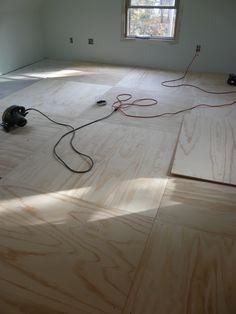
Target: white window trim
173,39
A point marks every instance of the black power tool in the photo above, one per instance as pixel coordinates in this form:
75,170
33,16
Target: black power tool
232,79
14,116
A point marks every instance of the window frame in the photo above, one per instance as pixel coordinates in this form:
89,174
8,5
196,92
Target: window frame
127,6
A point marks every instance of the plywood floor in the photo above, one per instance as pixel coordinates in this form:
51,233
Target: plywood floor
126,238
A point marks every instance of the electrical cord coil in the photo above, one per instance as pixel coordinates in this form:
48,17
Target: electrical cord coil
167,83
123,101
121,105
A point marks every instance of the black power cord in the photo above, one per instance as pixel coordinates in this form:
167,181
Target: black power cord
73,130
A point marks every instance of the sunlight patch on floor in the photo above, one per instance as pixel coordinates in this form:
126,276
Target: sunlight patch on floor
56,74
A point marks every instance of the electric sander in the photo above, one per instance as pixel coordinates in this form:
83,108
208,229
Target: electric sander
232,79
14,116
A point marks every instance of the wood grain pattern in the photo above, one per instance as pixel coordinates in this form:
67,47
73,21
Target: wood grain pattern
211,81
46,68
9,86
207,148
151,79
130,172
94,73
185,271
21,143
58,98
170,124
62,255
107,242
199,205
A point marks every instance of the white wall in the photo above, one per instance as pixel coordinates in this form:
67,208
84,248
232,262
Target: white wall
21,38
212,23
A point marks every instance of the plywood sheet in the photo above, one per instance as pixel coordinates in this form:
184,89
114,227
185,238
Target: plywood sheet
200,205
62,255
40,70
185,270
20,143
188,264
150,79
96,73
58,98
166,103
130,172
24,77
82,243
207,146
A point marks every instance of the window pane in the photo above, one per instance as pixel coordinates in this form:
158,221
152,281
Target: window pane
151,22
153,2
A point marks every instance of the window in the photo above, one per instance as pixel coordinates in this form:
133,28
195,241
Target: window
151,19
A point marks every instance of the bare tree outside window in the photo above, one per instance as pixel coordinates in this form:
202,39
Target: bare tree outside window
151,18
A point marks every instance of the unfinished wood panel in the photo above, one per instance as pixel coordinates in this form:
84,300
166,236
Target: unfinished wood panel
150,79
130,172
20,143
200,205
57,97
62,255
216,100
207,147
9,86
210,81
11,155
24,77
167,103
185,271
75,243
40,70
146,78
94,73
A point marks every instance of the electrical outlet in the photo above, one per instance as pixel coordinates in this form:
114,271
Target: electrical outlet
71,40
198,48
90,41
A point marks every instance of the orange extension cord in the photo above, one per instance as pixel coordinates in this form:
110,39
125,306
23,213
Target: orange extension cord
123,102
